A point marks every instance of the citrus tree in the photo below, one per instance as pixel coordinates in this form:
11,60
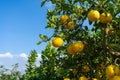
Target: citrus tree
85,44
10,74
31,71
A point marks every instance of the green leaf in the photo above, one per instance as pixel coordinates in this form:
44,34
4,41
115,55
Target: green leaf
115,46
42,3
43,37
39,42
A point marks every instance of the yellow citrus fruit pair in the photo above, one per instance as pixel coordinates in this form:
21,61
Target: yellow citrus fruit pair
85,69
105,17
69,25
83,78
64,18
75,47
112,71
93,15
57,42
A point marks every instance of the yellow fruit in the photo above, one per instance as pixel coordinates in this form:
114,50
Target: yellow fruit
70,49
57,42
115,78
83,78
78,47
69,25
93,15
105,18
64,18
85,69
75,47
66,78
94,79
110,71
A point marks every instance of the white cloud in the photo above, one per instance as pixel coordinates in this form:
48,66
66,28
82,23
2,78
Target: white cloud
39,57
6,55
24,56
38,60
21,59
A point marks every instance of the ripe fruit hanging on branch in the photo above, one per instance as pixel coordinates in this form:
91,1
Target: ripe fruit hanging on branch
93,15
64,18
69,25
85,69
112,71
70,49
75,59
76,47
105,18
57,42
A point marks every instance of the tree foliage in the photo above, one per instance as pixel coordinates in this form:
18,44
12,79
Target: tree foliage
102,39
10,74
98,58
31,72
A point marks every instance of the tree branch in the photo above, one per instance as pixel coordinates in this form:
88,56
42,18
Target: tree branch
105,39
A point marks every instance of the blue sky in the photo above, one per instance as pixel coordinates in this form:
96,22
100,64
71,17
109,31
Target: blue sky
21,21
